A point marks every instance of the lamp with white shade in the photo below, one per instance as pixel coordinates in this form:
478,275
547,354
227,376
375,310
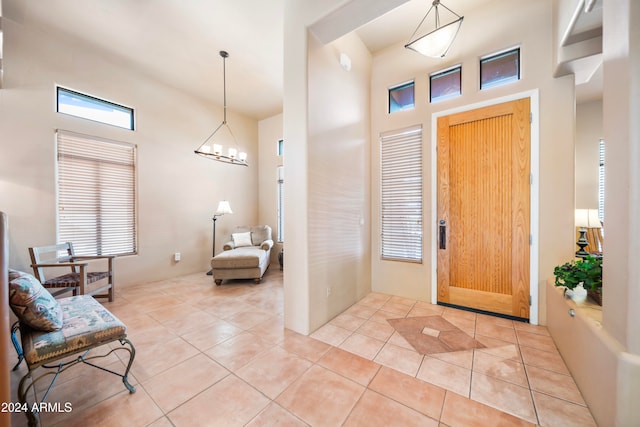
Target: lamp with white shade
585,219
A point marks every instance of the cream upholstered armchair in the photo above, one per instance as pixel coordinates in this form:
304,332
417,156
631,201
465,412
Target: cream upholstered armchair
245,256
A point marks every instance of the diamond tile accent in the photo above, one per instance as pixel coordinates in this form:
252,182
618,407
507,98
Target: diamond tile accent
433,334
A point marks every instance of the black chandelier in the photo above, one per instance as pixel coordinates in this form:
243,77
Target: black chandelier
212,147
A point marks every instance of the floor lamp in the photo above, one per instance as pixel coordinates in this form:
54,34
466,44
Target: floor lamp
223,208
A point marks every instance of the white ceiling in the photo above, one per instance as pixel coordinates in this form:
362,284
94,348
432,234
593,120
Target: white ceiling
177,41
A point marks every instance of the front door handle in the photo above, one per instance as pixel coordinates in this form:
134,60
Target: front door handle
442,233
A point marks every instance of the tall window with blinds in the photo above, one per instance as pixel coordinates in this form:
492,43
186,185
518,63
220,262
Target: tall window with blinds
401,195
601,182
280,204
97,209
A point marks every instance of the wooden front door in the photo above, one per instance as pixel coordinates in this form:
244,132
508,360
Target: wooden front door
484,208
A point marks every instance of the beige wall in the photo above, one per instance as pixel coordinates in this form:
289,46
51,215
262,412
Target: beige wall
588,134
270,131
325,114
338,173
621,52
178,191
298,15
521,24
622,134
580,335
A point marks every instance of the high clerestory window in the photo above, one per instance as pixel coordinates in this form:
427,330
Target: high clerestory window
92,108
280,148
401,97
445,84
500,68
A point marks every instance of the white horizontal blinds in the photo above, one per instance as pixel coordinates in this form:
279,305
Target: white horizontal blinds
601,183
401,195
280,203
96,195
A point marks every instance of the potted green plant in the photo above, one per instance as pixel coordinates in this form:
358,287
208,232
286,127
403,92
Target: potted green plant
587,271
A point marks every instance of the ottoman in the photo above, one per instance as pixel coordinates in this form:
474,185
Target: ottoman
240,263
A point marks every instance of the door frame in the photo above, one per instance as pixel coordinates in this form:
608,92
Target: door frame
534,99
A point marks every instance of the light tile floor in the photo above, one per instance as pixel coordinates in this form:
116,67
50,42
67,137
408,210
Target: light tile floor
220,356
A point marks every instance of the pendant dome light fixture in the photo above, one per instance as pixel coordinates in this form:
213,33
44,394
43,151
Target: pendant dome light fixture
436,43
212,146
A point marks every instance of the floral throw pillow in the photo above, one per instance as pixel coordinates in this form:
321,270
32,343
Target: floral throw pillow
32,303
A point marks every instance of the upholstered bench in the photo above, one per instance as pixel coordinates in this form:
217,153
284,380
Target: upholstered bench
246,256
86,324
